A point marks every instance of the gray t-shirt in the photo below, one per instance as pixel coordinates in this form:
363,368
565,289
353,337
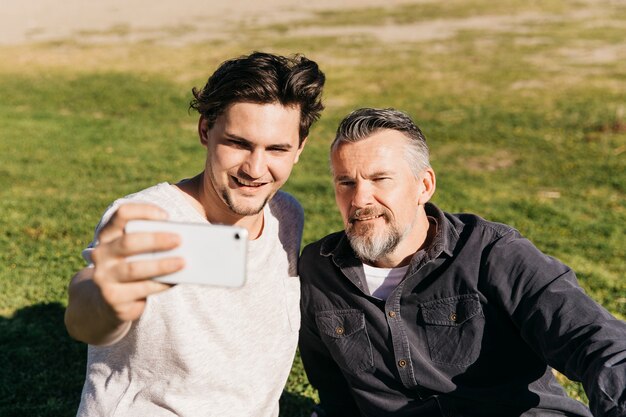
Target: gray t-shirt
206,351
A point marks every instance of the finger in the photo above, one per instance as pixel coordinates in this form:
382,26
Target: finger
142,242
107,255
130,311
138,292
126,212
141,270
120,297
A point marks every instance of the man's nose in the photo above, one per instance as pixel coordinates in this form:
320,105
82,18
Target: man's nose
255,164
362,195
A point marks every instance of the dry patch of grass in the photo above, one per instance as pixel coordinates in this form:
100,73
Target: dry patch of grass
500,159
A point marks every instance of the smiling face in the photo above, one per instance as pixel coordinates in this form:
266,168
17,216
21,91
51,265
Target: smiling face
380,199
251,149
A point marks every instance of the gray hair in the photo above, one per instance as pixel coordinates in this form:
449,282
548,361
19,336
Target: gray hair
362,123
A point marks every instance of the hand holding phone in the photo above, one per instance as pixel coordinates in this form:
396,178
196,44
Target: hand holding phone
214,254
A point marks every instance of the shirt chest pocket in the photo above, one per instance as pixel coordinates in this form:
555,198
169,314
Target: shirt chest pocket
454,329
345,335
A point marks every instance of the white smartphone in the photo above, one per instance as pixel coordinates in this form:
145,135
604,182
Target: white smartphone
214,254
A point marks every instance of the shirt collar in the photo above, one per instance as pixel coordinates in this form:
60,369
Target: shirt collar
448,230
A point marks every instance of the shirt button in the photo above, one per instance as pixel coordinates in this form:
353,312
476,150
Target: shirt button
392,314
401,363
339,330
453,317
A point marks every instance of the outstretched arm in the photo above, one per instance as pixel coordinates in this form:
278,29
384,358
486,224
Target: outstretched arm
105,298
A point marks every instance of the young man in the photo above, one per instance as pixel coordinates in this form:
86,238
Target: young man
412,311
193,350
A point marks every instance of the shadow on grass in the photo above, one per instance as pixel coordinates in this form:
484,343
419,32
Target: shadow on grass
42,368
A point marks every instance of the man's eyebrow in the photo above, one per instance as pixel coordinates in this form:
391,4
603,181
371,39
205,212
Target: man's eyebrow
376,174
343,178
236,137
381,173
286,146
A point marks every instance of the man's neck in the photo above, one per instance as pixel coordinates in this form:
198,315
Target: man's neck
423,233
204,199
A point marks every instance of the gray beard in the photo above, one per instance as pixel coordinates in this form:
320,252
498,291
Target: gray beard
370,247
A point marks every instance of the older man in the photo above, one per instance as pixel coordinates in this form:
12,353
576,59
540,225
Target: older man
412,311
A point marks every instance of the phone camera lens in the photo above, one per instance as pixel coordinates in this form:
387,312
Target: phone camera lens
237,237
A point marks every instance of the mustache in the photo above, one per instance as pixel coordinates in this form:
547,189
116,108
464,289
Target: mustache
366,212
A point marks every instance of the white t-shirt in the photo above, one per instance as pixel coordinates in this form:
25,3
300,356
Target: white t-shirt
206,351
381,281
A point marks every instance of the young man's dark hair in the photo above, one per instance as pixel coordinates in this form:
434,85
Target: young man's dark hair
264,78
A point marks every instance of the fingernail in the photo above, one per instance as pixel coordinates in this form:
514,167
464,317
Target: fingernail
174,239
179,262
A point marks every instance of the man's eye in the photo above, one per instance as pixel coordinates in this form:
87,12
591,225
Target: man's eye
278,150
237,143
345,183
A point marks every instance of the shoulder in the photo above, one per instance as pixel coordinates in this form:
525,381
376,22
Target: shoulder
499,245
510,265
507,253
466,228
159,195
284,206
465,231
498,237
488,230
285,201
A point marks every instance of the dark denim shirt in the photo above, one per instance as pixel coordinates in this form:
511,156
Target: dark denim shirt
470,331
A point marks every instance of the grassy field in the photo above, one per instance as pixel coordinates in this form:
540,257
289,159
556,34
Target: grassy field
523,104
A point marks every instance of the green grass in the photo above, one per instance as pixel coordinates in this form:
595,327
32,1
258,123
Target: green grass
526,123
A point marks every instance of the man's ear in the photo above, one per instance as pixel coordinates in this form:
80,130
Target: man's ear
203,131
300,149
427,183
